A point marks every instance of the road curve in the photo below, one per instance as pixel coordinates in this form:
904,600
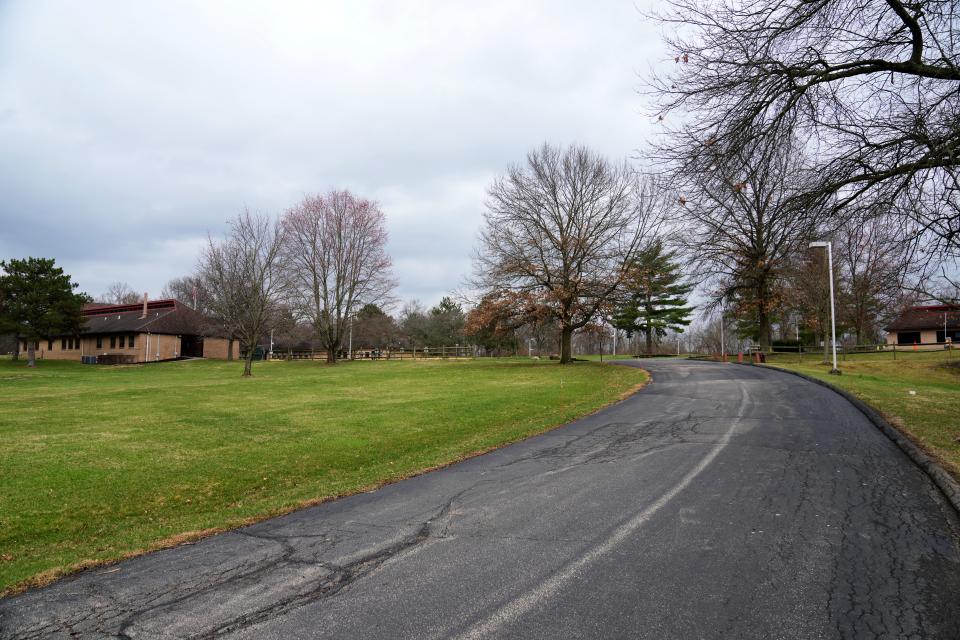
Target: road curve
720,502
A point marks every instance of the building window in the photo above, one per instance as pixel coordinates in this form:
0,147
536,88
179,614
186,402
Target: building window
63,344
132,342
953,334
113,342
121,341
908,337
49,344
99,342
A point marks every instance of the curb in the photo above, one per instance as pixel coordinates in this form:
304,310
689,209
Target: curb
943,480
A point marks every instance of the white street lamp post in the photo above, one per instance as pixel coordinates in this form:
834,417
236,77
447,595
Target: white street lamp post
833,313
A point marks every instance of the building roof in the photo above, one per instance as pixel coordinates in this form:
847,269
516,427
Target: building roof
927,318
162,316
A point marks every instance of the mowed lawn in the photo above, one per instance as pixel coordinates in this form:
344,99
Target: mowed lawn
101,462
931,416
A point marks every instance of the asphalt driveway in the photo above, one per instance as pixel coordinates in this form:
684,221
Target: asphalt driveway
720,502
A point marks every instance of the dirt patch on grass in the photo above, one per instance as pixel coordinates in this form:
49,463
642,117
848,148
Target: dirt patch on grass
952,367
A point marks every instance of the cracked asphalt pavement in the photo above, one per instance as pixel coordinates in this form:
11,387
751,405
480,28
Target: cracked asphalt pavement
720,502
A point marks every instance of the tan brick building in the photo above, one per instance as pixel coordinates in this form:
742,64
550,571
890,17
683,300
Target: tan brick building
144,332
926,325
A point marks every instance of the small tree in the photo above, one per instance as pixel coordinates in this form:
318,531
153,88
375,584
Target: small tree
562,229
37,300
373,327
874,262
657,296
119,293
188,290
243,279
445,323
337,261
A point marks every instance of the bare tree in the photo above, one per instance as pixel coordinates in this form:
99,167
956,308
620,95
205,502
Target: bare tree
119,293
337,261
742,230
243,278
874,263
873,86
561,230
807,296
188,290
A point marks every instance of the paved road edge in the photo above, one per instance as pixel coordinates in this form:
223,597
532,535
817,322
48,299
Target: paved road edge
940,477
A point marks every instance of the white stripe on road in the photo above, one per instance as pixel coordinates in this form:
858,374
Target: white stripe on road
513,610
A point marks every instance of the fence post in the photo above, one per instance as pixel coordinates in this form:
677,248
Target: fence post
894,350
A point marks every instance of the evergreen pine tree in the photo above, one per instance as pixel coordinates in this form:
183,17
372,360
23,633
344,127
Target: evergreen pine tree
37,301
656,296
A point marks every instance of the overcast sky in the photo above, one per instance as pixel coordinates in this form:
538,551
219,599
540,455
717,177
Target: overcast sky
130,131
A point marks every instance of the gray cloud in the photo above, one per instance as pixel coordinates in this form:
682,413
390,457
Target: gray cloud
129,131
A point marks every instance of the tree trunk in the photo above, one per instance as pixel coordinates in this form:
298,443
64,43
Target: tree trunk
248,363
230,348
826,343
31,354
332,345
566,346
649,335
763,316
763,330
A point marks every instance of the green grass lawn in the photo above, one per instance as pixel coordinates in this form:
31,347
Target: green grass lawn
931,417
101,462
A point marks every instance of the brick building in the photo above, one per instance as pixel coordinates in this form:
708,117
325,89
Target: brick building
143,332
926,325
